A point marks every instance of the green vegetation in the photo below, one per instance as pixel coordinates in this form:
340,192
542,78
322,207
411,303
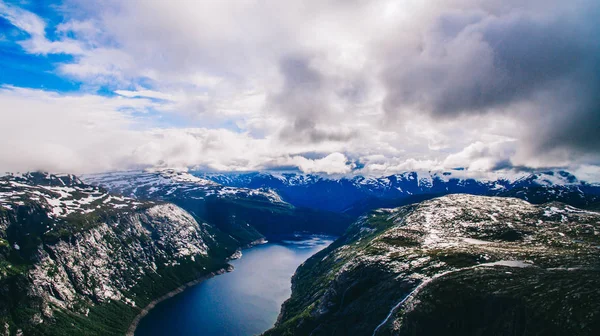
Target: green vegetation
526,301
29,229
448,245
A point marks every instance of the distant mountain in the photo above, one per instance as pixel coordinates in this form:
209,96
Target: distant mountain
76,259
454,265
246,214
356,195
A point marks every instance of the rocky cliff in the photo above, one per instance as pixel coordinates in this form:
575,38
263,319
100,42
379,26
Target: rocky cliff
75,259
455,265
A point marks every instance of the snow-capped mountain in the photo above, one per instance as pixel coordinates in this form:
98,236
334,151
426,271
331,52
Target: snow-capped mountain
169,183
60,195
358,193
73,255
248,214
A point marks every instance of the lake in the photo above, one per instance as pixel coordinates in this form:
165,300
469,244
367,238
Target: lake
243,302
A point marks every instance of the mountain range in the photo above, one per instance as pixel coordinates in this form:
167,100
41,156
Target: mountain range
87,255
246,213
76,259
356,195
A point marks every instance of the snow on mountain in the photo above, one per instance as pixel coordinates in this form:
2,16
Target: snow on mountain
343,193
437,267
75,248
247,214
61,195
160,184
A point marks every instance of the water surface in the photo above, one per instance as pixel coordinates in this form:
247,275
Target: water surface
243,302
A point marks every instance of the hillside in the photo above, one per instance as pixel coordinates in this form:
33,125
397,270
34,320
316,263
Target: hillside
75,259
459,265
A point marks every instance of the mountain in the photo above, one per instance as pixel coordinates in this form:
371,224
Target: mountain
244,213
454,265
357,195
75,259
85,256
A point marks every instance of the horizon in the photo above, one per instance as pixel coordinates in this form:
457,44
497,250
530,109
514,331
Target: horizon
456,173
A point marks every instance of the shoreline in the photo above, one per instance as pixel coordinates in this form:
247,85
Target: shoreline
133,325
178,290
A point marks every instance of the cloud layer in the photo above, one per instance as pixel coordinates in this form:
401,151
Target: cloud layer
335,87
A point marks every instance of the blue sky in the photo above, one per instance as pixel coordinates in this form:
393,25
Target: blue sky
371,88
20,68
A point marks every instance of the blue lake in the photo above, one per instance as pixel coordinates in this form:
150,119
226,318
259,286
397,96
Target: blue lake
243,302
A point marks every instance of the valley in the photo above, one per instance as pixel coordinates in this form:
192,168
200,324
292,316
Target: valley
90,254
245,301
299,168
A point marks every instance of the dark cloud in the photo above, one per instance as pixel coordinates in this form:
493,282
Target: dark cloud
301,98
304,130
541,65
306,98
508,165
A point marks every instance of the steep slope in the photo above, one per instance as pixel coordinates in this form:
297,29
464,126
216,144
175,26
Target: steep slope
455,265
75,259
246,214
356,195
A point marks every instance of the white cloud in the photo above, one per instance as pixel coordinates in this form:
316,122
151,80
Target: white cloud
259,84
334,163
145,94
480,156
35,27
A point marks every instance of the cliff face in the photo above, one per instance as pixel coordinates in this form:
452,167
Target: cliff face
74,258
459,264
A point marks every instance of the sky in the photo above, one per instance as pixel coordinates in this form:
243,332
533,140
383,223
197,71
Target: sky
334,87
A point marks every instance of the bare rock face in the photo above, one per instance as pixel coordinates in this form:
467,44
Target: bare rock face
71,248
96,265
458,264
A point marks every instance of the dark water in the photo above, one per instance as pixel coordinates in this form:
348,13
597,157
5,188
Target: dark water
243,302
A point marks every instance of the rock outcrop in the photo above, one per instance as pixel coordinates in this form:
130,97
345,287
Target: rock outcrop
76,258
456,265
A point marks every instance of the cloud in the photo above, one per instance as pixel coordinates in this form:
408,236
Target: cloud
394,86
394,166
334,163
48,131
145,93
88,133
480,156
536,64
35,27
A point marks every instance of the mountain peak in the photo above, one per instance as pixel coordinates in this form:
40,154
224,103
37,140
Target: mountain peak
44,178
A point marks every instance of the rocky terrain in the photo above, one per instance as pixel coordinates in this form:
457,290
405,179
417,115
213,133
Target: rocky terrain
455,265
75,259
86,256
